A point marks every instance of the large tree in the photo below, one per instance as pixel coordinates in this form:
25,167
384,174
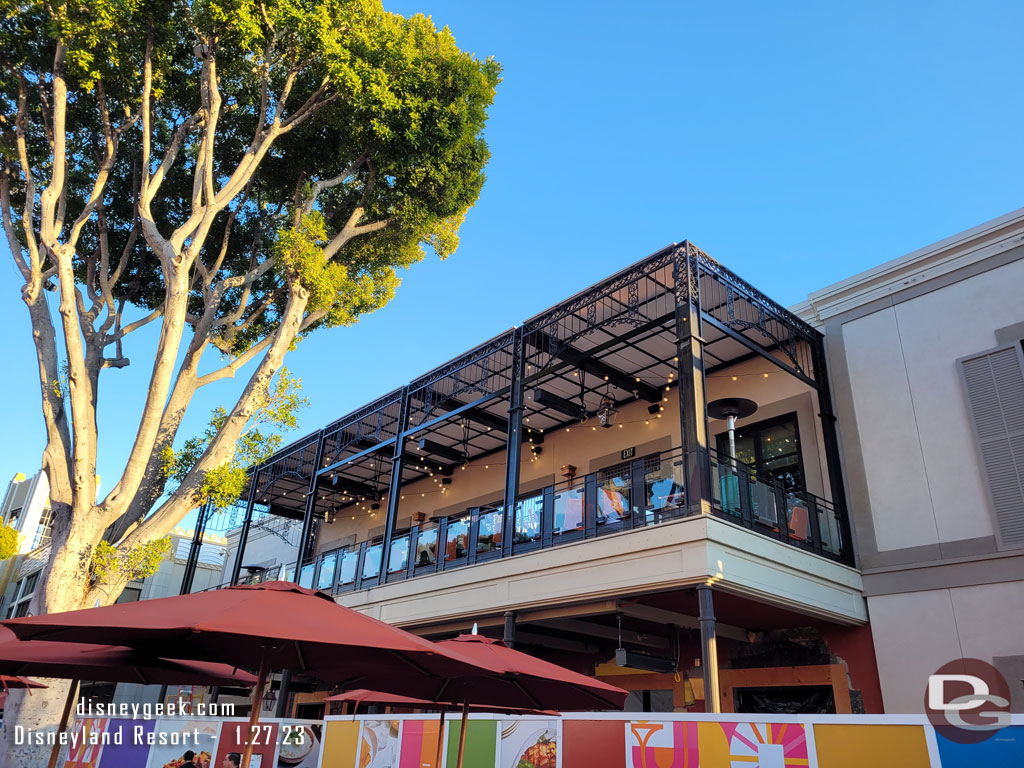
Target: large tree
239,173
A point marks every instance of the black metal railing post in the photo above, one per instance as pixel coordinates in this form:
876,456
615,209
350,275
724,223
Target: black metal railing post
514,444
830,438
690,365
395,484
243,535
192,562
306,546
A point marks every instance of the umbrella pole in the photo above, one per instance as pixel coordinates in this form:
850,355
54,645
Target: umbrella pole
254,716
64,717
440,739
462,730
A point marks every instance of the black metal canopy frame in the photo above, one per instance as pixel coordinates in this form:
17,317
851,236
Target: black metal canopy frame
661,324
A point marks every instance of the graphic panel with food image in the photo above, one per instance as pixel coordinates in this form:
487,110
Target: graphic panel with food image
174,737
85,747
232,741
299,745
378,745
133,751
529,744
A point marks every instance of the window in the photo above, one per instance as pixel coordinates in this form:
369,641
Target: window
12,519
994,385
771,448
43,530
23,592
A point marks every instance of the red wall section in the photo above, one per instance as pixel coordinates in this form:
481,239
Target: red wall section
593,744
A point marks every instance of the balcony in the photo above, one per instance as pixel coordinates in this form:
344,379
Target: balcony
639,494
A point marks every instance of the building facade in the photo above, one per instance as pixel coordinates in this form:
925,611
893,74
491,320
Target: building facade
26,509
925,354
571,486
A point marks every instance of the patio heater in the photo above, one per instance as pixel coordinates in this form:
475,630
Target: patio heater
730,409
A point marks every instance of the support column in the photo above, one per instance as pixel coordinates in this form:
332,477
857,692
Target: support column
509,635
693,416
193,553
830,438
305,546
709,649
514,444
243,535
283,694
395,486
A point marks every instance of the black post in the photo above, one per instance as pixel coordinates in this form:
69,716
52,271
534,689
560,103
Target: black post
395,486
236,569
831,439
509,636
283,694
310,509
193,552
709,649
692,395
514,444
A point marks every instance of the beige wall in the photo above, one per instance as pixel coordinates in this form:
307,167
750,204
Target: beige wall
917,632
921,471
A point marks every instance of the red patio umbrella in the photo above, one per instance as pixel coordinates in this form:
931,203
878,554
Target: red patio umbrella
275,625
108,664
16,681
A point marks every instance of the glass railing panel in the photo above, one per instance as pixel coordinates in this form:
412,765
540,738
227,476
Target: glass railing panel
831,532
349,563
764,504
613,493
328,564
664,488
488,537
568,517
426,547
398,557
528,519
371,562
456,539
306,575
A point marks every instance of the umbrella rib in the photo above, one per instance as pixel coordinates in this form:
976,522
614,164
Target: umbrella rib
302,657
527,694
422,670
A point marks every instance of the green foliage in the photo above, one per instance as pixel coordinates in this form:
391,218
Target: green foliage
109,562
402,95
275,411
10,540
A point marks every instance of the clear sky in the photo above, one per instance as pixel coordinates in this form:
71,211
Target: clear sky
797,142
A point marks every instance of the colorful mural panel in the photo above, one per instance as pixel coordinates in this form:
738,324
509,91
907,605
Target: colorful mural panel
131,749
481,743
1003,748
878,746
529,744
589,743
419,744
86,742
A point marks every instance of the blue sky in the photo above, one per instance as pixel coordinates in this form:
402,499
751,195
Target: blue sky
798,143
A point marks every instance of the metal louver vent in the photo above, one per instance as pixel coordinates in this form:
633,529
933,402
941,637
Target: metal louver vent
994,385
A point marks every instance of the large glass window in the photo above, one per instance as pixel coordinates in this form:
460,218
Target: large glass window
613,487
23,592
528,514
458,535
771,448
488,538
44,529
426,547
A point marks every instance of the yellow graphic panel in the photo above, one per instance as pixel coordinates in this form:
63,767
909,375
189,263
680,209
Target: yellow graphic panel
341,740
877,746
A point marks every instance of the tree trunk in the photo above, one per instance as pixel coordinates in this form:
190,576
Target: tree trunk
65,587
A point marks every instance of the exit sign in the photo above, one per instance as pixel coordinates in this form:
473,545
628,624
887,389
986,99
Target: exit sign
628,453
